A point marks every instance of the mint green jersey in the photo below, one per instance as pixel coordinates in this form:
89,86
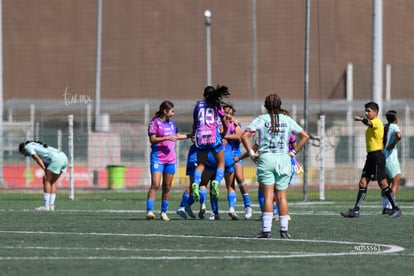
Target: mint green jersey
273,142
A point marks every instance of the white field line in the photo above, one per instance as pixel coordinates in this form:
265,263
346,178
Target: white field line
359,249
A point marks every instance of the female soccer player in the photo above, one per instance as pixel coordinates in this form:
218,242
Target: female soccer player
53,162
163,134
233,137
392,136
206,116
273,160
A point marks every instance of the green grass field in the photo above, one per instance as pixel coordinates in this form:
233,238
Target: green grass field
105,233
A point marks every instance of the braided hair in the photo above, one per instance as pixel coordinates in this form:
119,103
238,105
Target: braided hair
216,94
22,145
273,105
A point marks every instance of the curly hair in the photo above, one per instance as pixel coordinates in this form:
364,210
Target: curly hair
216,94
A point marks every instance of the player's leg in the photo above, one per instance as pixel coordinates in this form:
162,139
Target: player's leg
231,194
156,175
244,189
195,187
219,157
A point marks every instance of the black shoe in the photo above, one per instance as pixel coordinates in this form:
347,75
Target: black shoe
285,235
386,211
351,213
395,213
264,235
202,213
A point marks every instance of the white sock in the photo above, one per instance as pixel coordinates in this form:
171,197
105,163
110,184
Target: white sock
52,199
46,199
384,201
284,222
267,221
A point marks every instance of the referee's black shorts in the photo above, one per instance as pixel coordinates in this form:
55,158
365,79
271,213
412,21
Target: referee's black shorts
374,168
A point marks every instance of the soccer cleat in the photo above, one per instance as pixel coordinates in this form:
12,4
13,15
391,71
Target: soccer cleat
264,235
285,235
202,212
351,213
189,211
150,215
195,191
386,211
395,213
215,189
248,213
43,208
232,214
164,217
214,217
51,207
181,212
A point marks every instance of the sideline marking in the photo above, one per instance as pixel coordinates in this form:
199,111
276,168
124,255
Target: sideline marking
254,254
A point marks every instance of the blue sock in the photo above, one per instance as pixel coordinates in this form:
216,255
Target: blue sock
203,196
197,177
150,204
214,205
164,206
231,197
246,200
219,175
190,201
260,198
184,199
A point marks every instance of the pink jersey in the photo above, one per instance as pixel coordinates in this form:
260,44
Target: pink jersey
292,140
207,117
163,152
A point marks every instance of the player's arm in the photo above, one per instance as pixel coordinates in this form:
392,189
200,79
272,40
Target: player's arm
364,120
236,135
39,161
224,123
154,139
183,136
245,154
246,143
396,140
303,139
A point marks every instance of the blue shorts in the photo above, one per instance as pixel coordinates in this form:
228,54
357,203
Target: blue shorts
162,168
191,161
211,164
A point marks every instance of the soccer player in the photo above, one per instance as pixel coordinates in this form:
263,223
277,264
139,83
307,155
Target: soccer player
273,160
53,162
186,199
374,168
163,134
229,175
392,135
233,137
207,113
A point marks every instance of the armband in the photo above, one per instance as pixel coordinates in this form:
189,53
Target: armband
251,153
365,121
